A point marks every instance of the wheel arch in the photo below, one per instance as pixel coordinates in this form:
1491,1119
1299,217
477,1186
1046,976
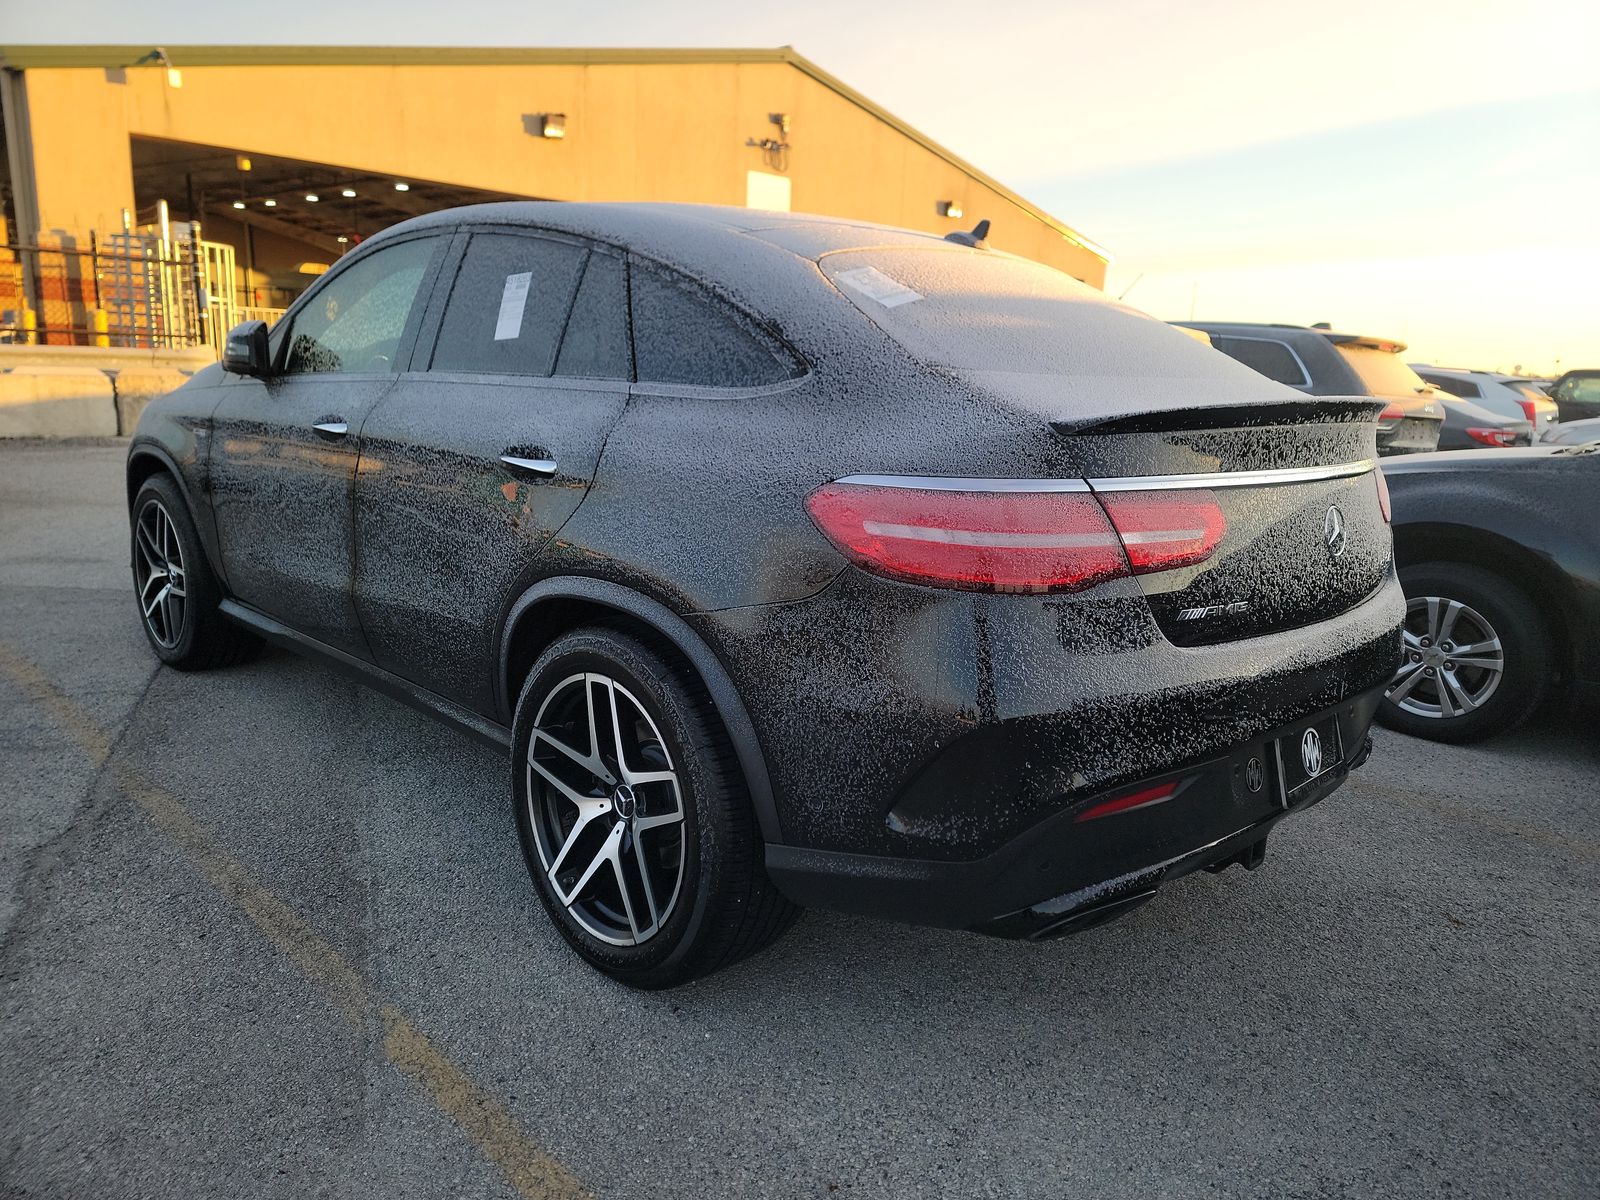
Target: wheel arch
149,459
1526,570
553,606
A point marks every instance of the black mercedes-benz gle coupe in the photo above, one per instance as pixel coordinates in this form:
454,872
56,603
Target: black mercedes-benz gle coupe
795,561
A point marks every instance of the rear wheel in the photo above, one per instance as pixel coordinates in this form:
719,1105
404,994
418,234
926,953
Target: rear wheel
177,593
634,818
1477,659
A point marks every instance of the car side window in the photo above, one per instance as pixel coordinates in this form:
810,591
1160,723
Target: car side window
353,324
508,305
1456,387
595,345
684,335
1271,358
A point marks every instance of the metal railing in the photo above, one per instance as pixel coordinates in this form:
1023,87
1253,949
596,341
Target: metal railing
131,290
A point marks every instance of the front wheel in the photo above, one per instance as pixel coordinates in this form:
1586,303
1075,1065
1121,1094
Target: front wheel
633,813
1477,657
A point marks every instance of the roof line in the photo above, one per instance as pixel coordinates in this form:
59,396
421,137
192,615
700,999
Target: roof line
45,57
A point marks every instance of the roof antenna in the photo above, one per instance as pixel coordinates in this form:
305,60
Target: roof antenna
974,239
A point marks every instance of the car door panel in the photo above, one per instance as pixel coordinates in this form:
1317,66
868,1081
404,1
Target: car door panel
466,474
284,449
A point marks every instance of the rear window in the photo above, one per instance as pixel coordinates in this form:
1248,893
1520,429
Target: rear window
1274,359
988,312
1385,373
1528,392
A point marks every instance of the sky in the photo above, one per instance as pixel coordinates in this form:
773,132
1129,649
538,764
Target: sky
1427,170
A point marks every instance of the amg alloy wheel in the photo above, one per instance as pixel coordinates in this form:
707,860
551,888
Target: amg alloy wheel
178,595
158,574
635,819
1476,655
605,809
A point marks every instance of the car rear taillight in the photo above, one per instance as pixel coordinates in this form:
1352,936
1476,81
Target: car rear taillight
1492,437
1162,530
987,541
1006,540
1383,493
1530,410
1391,412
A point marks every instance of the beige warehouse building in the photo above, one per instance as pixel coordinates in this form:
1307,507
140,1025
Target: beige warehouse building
287,156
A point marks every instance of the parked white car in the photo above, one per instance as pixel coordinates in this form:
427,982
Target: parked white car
1508,395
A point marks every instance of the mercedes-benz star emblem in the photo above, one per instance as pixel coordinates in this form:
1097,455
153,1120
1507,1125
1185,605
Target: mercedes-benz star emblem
1254,775
1311,752
1333,531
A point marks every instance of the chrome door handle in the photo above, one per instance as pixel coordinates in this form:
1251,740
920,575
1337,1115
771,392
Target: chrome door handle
332,430
544,468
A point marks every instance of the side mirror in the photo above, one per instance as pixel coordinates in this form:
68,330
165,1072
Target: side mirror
245,352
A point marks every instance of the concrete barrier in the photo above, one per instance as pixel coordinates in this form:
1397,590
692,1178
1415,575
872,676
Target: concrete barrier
136,387
57,402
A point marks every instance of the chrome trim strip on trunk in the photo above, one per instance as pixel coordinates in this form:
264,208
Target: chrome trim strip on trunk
1232,479
942,483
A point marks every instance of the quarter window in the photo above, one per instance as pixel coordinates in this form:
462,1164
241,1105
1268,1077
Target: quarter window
1271,358
353,324
682,335
508,305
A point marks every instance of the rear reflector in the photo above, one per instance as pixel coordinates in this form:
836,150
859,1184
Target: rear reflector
1383,493
1143,798
977,541
1163,530
1493,437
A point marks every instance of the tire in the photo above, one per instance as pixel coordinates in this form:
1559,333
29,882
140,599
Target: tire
709,902
1505,626
177,594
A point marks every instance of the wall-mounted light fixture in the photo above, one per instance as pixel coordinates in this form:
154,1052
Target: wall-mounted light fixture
238,203
951,209
159,57
348,193
549,125
270,203
242,161
401,186
312,197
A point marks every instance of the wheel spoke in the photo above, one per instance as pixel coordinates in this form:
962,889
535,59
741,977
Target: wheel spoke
1452,610
592,765
643,823
606,854
1411,641
640,778
571,793
169,616
155,601
627,900
644,880
1433,619
587,814
1450,686
147,540
1405,682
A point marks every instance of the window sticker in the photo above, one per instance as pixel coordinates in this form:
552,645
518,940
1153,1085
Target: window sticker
513,299
875,285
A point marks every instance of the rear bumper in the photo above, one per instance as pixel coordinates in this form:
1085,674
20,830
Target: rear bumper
1065,873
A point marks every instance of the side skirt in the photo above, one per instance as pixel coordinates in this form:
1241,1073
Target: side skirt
420,698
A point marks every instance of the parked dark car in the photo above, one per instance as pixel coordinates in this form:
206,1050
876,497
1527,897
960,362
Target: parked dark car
1577,395
1470,426
1321,362
794,561
1499,554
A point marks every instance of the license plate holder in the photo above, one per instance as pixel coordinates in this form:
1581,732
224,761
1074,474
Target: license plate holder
1307,757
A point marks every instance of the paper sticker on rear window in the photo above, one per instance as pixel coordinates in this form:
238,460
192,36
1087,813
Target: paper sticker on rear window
513,299
875,285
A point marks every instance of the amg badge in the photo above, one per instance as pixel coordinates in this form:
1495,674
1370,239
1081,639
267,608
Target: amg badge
1213,610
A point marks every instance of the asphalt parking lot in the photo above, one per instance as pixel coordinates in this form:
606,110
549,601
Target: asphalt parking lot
269,933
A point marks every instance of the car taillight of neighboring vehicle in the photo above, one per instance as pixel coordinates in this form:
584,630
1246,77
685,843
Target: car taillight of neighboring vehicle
1492,436
991,536
1383,493
1392,413
1530,409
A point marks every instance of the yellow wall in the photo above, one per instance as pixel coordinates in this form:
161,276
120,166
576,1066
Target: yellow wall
635,131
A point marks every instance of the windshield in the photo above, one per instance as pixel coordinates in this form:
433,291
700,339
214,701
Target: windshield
989,312
1384,372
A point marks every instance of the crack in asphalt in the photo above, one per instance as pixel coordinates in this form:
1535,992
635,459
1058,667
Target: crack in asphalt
530,1169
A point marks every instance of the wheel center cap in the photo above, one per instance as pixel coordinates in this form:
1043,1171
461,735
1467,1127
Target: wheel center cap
1433,657
624,801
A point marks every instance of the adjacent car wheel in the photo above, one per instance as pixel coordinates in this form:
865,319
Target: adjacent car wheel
177,593
634,817
1477,655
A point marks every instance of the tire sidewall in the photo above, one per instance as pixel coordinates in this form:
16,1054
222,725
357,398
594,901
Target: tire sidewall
678,720
1524,640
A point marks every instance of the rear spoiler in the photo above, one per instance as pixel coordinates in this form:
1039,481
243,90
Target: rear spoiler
1387,345
1309,411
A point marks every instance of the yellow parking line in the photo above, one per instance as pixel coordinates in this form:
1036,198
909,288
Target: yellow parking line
531,1169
